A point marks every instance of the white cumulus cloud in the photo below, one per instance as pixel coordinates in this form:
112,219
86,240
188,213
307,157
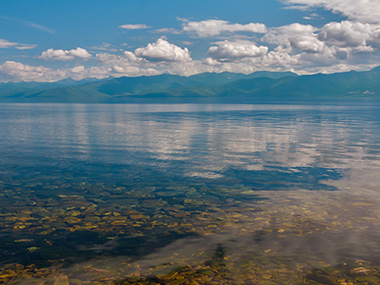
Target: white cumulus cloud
127,64
281,60
295,37
350,34
227,50
60,54
17,71
209,28
162,50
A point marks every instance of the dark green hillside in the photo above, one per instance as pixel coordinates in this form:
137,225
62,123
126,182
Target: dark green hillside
340,85
25,89
68,95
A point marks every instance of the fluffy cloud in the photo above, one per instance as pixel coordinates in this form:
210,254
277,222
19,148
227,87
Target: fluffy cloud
216,27
295,47
227,50
60,54
16,71
308,48
134,27
280,60
346,41
366,11
295,37
156,58
272,61
338,40
162,50
125,65
348,34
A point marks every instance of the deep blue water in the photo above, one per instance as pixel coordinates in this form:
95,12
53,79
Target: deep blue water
66,168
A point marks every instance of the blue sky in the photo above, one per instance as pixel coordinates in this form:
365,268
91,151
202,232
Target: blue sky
54,40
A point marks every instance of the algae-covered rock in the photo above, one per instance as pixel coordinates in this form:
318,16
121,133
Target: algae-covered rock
61,280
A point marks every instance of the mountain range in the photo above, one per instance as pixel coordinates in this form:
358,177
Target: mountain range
222,87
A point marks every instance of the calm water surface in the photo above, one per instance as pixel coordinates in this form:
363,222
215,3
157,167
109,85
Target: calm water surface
175,194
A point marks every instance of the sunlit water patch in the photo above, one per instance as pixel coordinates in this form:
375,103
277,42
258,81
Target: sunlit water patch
187,194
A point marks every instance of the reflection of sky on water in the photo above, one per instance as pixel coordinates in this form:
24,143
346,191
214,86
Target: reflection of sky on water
192,140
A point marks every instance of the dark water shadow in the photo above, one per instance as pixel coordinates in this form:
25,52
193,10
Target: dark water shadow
80,246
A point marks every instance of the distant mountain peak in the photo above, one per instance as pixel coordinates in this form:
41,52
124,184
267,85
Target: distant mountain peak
376,69
209,87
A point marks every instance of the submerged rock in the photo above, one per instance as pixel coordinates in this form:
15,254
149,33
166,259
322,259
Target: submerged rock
61,280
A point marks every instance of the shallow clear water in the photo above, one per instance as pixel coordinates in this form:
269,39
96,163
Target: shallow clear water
209,193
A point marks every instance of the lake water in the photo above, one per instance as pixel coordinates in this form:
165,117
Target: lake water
189,194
